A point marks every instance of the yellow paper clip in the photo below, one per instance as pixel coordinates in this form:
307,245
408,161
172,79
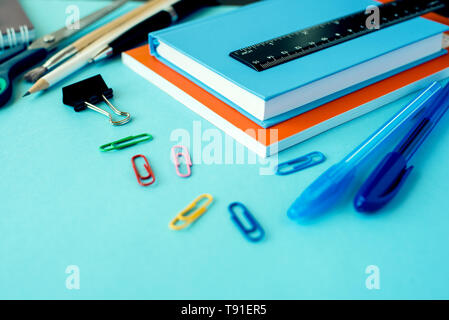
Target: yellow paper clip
189,215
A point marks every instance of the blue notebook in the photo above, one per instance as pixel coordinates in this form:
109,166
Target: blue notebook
201,50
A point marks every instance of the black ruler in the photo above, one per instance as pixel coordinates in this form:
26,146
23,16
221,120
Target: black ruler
271,53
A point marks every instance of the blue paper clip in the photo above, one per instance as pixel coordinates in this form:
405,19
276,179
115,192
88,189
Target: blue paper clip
255,232
301,163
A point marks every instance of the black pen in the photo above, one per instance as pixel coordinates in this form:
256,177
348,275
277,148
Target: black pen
163,19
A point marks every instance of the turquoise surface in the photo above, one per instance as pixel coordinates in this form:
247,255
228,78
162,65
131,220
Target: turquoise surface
64,203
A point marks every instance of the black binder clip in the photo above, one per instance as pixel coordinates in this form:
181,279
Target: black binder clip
87,93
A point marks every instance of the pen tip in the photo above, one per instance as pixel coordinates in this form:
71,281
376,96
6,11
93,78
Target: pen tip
26,94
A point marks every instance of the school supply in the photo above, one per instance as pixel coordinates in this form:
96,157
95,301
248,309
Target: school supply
36,52
309,160
390,175
15,27
86,93
269,123
254,231
184,153
64,54
191,213
126,142
301,84
138,34
329,187
7,54
266,142
149,175
84,57
298,44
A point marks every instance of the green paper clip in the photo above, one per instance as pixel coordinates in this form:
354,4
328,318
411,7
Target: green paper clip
126,142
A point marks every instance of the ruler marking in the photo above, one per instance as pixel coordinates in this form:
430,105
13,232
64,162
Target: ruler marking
273,52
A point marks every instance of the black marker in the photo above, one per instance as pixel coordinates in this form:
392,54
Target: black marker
163,19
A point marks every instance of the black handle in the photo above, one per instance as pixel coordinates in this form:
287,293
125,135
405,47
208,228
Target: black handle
139,33
184,8
23,61
14,66
9,53
163,19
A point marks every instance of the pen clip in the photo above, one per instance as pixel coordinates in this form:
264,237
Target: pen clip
383,184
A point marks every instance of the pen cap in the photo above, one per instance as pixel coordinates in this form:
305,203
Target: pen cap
323,193
393,126
383,184
389,176
439,105
424,124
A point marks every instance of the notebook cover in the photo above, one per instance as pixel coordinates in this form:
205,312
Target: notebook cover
13,16
210,40
301,122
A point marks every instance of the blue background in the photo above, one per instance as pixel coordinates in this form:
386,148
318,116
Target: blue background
65,203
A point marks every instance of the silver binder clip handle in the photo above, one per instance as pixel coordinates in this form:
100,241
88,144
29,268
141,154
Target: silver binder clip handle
107,114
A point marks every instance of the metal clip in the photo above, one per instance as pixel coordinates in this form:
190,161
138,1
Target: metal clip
255,232
184,153
126,142
301,163
189,215
146,165
86,93
107,114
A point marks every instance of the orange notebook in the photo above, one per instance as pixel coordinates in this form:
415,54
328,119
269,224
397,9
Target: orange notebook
266,142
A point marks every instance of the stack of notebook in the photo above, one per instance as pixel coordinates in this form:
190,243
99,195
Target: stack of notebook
298,99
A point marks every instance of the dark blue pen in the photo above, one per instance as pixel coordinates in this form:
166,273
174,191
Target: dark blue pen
389,176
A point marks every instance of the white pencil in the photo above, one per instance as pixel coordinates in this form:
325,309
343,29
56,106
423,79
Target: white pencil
85,56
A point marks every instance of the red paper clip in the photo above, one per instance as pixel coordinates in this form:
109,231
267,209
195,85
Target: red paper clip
146,165
184,153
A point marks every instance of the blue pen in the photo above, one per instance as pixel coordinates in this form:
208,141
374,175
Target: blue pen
325,191
389,176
